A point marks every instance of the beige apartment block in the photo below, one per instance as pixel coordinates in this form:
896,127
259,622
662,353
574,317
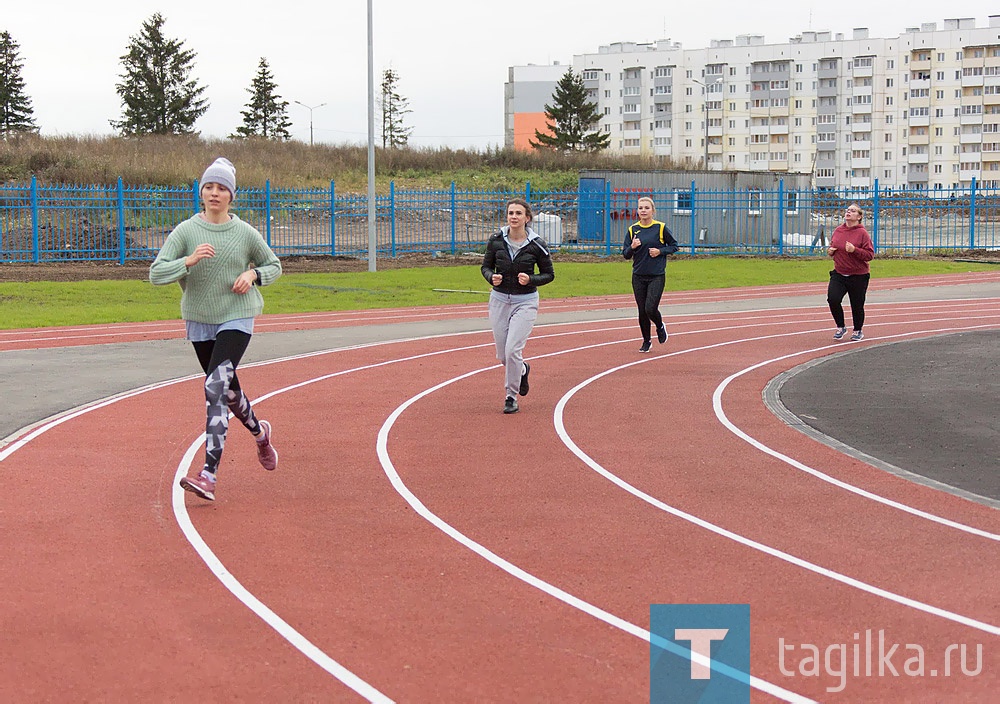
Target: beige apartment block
919,111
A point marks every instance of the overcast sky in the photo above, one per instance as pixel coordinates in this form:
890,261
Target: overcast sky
452,56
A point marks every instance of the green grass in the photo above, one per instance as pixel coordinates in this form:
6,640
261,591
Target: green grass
42,304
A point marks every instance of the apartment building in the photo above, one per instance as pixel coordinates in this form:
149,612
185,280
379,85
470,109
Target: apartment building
919,111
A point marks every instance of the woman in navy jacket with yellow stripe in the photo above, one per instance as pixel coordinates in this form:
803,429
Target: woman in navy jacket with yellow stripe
647,244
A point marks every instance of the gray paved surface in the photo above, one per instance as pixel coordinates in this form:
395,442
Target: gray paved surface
930,406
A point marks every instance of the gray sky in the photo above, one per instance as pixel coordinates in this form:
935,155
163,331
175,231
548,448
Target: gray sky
452,55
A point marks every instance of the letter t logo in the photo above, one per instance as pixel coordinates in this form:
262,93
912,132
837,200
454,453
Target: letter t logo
701,648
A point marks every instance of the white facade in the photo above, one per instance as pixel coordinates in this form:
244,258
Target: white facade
921,110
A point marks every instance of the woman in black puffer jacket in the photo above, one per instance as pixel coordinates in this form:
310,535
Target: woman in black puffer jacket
512,256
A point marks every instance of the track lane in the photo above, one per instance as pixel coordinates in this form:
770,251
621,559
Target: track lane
342,479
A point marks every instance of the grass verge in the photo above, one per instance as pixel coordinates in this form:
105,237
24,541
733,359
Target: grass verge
43,304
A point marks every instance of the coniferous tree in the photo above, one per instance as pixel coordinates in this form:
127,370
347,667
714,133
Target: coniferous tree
157,91
16,114
394,107
266,115
570,119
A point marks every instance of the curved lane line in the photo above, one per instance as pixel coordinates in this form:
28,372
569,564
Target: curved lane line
527,577
720,413
718,530
282,627
262,610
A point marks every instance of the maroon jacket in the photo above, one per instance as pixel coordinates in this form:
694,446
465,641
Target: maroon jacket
856,262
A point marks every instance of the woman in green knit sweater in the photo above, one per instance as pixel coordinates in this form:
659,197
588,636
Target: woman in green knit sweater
219,262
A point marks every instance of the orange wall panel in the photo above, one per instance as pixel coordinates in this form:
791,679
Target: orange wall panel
525,124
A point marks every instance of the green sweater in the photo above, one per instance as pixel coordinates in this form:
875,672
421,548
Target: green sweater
207,286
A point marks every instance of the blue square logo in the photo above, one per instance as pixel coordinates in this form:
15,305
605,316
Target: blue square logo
699,653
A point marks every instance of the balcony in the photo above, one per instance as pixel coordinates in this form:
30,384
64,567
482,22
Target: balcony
970,119
918,158
919,120
964,138
971,81
861,163
778,129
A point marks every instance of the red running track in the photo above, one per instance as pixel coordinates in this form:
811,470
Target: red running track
415,544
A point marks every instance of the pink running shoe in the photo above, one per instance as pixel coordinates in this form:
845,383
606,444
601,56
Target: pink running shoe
266,453
200,485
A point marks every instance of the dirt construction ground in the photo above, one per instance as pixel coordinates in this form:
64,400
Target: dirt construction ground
112,271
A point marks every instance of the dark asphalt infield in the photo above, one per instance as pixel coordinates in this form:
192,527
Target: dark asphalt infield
927,409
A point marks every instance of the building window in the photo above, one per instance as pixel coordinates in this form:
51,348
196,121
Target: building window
683,201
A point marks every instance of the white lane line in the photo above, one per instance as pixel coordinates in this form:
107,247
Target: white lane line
720,413
523,575
282,627
718,530
188,457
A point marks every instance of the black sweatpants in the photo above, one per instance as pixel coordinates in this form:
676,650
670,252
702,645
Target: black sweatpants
648,290
855,287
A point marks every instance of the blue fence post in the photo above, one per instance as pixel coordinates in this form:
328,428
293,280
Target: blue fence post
527,191
34,219
392,215
694,210
972,214
194,197
121,221
453,223
607,219
333,218
781,217
876,203
267,211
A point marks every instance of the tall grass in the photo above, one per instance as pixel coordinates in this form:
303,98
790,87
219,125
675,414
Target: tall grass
178,160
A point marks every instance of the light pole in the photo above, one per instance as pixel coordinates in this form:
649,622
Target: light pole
310,109
704,107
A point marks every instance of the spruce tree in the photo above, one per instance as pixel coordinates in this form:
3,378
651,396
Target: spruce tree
157,92
394,107
266,115
16,114
570,117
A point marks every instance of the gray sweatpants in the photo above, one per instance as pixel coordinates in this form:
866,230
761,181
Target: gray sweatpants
512,317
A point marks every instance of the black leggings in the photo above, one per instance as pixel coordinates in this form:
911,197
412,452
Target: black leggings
855,287
219,358
648,290
228,344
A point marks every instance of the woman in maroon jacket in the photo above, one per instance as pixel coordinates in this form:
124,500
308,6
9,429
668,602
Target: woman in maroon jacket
851,248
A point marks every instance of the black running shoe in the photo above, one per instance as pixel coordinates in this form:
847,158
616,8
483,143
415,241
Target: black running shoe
524,380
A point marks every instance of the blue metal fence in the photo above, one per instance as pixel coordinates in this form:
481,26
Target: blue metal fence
43,223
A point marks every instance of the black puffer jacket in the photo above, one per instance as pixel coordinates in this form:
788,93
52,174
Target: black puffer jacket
533,254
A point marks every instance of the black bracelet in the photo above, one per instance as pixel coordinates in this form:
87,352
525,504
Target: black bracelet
257,272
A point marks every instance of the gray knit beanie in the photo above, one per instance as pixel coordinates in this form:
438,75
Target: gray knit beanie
220,171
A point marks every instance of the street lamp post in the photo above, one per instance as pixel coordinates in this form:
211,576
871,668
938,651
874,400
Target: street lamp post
310,109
